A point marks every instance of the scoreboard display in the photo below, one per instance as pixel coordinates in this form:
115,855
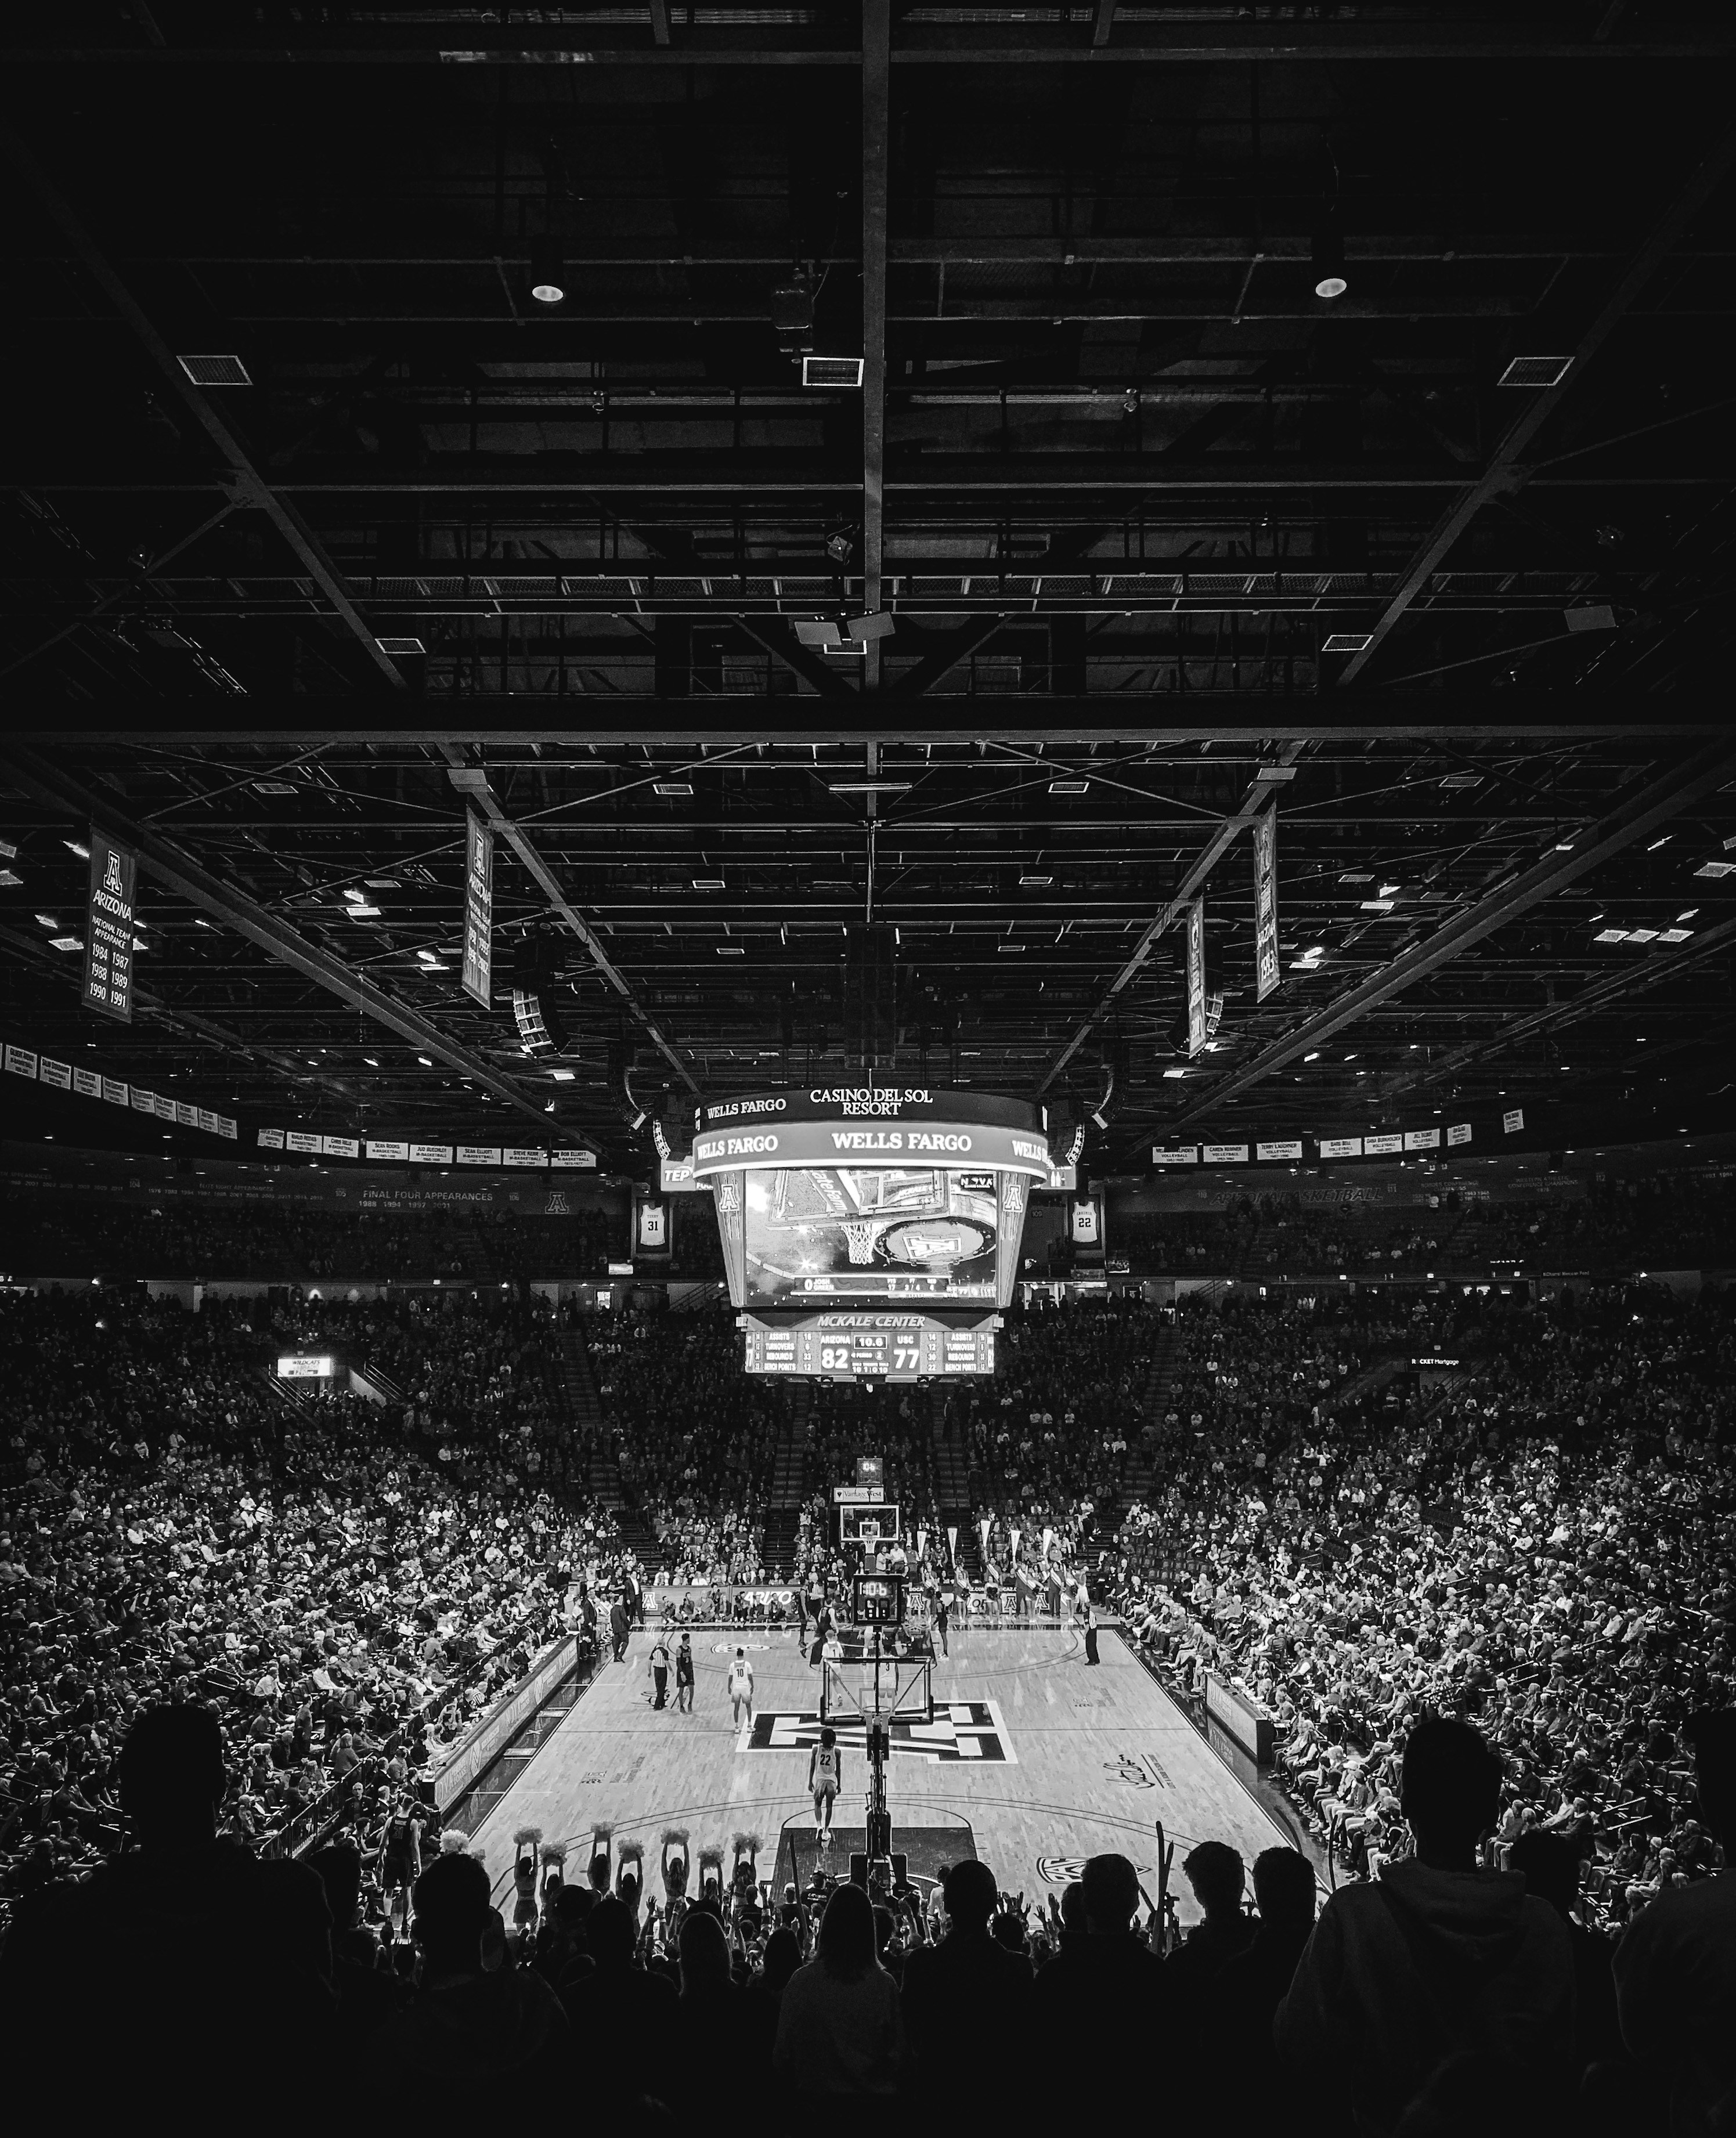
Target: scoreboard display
859,1347
877,1599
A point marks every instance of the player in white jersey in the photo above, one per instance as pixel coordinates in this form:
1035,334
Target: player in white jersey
826,1778
741,1687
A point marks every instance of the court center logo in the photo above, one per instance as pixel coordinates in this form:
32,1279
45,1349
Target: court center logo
1060,1870
962,1730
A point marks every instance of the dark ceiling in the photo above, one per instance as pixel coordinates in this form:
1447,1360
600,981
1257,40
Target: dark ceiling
1142,518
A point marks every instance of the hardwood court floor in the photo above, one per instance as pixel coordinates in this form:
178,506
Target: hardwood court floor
1049,1761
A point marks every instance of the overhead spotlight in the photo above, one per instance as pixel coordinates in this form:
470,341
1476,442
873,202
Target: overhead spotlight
792,314
660,1140
839,548
548,273
1130,402
1330,281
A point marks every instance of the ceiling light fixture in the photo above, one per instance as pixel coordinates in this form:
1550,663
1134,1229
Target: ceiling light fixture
77,847
1330,280
548,273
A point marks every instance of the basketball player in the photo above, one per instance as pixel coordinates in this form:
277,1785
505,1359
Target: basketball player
943,1611
741,1687
826,1778
684,1674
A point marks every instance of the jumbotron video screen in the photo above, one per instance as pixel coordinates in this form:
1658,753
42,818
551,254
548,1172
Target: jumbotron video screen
903,1232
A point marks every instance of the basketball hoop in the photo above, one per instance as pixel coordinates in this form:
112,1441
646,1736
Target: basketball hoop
861,1233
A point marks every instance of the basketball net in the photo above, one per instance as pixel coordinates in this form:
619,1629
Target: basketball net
860,1234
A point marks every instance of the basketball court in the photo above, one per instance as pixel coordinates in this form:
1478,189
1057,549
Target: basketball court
1032,1761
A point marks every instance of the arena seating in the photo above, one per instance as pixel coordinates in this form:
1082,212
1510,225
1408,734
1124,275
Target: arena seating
1539,1543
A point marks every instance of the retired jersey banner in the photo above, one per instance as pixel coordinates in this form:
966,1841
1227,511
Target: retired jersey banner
1196,976
477,977
1265,904
108,929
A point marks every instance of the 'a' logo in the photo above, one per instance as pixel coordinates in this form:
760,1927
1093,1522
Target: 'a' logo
112,881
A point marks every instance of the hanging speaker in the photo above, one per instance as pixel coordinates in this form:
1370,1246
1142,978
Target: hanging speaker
541,1029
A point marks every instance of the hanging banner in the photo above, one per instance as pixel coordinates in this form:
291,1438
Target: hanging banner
1265,904
1196,976
109,920
982,1529
477,979
952,1539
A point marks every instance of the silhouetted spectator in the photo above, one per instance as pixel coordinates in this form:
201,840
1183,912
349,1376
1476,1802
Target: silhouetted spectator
1675,1969
1435,1959
170,1958
622,2015
1549,1866
1239,2003
966,1999
711,2015
367,1996
840,2031
1106,1993
474,2035
1215,1871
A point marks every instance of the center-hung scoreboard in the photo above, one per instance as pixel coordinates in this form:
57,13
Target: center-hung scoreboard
871,1233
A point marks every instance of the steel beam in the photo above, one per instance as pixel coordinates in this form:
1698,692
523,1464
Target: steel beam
875,121
473,784
50,789
241,479
1632,979
288,721
1692,782
1493,38
1258,794
1504,474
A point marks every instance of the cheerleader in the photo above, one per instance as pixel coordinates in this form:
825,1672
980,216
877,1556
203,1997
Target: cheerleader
711,1878
597,1871
525,1845
630,1874
554,1877
675,1866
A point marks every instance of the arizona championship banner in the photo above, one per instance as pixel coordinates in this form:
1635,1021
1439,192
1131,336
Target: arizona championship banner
1265,904
109,922
477,979
1196,976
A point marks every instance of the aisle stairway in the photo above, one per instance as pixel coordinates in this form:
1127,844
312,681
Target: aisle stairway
788,1489
592,1430
952,1485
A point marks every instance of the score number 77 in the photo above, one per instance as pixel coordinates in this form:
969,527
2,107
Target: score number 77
906,1357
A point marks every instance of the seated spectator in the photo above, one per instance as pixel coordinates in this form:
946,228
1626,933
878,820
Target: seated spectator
1675,1969
472,2035
966,1999
839,2029
1436,1958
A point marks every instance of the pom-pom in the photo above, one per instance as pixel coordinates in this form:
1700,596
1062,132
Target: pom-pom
554,1853
601,1835
675,1837
630,1851
454,1841
746,1844
528,1837
710,1859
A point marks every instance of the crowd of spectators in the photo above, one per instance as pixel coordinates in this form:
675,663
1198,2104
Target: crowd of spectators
287,1243
694,1439
1542,1545
349,1584
1455,1996
1616,1227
